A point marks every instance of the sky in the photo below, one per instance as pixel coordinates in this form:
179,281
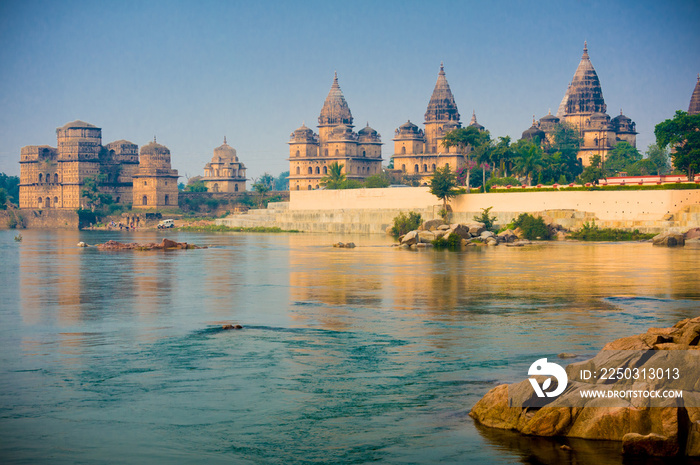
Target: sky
192,72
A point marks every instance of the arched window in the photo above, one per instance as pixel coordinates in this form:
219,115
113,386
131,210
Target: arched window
337,152
41,177
215,188
325,152
144,200
298,170
316,186
235,187
325,170
297,187
48,202
311,171
434,166
447,165
308,188
55,178
364,153
41,201
297,153
425,168
168,197
403,149
415,168
403,168
318,170
55,201
48,177
117,201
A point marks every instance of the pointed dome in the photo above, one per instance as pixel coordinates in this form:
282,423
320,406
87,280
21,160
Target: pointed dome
368,134
474,123
533,132
224,153
154,155
303,134
694,107
584,94
335,109
442,106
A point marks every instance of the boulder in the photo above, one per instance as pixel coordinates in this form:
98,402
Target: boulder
486,234
691,234
491,241
654,445
410,238
460,230
475,229
426,237
350,245
431,225
443,227
82,244
507,236
669,240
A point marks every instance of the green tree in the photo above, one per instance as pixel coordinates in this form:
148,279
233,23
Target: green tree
377,181
593,172
196,185
404,223
11,186
282,181
467,140
488,221
621,158
90,191
682,133
181,186
443,185
567,142
659,157
643,167
335,179
528,159
268,180
262,187
3,198
502,154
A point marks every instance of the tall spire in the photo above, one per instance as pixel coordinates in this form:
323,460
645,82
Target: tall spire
335,109
694,107
442,106
584,94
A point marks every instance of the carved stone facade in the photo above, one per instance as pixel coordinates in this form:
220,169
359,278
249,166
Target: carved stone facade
583,107
419,153
310,154
225,173
52,178
155,182
694,106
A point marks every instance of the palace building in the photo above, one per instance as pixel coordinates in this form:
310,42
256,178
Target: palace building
311,154
584,108
54,177
225,173
419,152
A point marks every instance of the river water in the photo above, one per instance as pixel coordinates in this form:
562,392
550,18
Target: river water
372,354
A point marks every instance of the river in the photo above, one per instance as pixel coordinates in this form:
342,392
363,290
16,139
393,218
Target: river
372,354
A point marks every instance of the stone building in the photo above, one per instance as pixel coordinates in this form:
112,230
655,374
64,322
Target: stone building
155,182
583,107
311,154
225,173
694,106
419,152
54,177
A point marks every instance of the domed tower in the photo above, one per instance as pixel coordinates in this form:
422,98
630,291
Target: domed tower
303,154
155,182
335,111
625,129
369,143
118,167
584,95
694,107
409,142
79,146
534,133
225,173
474,123
441,112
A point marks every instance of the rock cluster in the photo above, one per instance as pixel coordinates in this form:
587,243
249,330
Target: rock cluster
470,234
671,429
344,245
669,240
164,245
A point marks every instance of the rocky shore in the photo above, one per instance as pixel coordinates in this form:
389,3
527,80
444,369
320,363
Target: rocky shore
165,244
671,428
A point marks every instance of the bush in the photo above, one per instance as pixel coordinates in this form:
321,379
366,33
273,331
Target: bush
533,228
453,241
485,218
377,181
404,223
502,182
591,232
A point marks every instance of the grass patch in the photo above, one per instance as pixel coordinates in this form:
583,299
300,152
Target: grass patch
591,232
223,228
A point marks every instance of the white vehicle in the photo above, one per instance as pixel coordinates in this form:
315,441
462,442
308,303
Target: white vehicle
165,224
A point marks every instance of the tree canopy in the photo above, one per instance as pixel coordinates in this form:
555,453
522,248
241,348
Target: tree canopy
682,133
443,185
468,141
335,177
620,158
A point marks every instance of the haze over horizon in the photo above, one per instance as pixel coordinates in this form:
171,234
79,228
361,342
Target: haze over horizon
191,73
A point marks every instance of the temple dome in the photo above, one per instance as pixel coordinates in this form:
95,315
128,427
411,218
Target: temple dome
368,134
224,153
584,94
474,123
533,132
154,155
303,134
694,107
342,132
78,124
442,105
335,109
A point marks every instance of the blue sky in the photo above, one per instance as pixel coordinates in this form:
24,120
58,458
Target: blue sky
193,72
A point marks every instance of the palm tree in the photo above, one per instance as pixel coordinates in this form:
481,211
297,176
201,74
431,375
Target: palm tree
335,177
503,154
529,159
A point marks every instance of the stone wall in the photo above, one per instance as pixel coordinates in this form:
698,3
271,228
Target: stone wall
41,219
373,210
